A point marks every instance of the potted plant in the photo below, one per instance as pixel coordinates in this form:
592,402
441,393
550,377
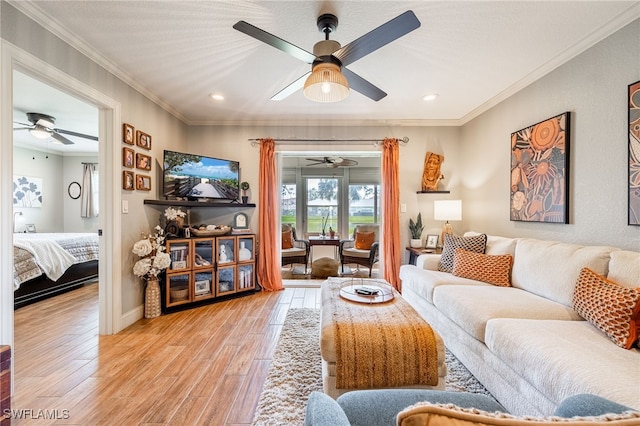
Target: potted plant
416,229
245,187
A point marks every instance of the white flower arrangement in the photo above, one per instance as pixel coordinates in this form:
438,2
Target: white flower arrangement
153,257
172,214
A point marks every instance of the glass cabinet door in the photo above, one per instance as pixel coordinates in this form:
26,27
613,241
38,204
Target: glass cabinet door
246,249
203,253
178,288
226,280
203,284
179,252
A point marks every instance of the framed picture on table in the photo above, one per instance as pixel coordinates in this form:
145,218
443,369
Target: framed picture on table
432,241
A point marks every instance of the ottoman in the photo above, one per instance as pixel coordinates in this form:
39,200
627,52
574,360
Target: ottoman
324,267
388,344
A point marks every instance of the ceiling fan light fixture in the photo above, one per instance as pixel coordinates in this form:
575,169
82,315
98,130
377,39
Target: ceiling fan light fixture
39,133
326,84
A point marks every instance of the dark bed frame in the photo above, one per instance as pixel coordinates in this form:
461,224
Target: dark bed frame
42,287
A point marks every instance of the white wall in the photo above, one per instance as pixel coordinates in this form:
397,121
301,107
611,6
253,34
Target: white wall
593,87
59,212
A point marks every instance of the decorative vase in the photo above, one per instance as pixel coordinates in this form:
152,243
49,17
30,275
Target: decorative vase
245,199
152,298
180,222
416,242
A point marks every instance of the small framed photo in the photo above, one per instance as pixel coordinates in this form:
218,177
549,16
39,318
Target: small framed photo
127,133
240,221
143,161
203,287
127,180
143,140
432,241
31,228
128,155
143,182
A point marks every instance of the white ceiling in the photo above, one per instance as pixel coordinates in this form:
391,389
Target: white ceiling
473,54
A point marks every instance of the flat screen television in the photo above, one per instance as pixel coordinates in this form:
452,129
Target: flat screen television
196,177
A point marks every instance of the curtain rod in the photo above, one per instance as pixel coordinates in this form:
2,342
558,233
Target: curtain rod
292,141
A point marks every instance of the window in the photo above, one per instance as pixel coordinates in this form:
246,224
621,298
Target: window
322,204
288,208
364,205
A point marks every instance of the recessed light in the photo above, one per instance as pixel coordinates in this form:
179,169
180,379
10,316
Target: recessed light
216,97
430,97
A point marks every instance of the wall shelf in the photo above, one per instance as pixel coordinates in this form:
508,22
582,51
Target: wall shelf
433,192
181,203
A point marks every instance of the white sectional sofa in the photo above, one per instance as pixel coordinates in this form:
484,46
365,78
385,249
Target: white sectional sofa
525,343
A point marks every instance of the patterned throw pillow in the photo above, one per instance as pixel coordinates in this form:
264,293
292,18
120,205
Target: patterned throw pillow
476,244
610,307
287,239
364,240
492,269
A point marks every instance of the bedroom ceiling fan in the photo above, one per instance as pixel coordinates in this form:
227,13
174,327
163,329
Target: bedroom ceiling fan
329,80
43,126
332,162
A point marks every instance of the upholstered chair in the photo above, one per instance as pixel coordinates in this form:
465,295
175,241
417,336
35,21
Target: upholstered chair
294,250
363,248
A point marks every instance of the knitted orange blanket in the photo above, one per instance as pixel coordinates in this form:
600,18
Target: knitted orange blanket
381,345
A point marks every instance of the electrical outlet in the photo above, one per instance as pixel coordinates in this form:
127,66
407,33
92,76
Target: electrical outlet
403,208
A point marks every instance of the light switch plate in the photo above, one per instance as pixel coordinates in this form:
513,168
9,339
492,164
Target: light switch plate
125,206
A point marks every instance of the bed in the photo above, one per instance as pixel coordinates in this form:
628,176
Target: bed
49,264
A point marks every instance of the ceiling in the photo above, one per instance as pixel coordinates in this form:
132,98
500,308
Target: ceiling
472,54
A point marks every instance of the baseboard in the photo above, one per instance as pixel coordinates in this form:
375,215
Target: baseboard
131,317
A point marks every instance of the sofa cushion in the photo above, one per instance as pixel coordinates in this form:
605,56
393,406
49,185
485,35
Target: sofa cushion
624,268
424,281
492,269
426,413
497,244
475,244
585,404
470,307
564,358
612,308
322,410
550,269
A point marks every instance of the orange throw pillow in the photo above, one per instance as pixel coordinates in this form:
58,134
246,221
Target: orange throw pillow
610,307
364,240
492,269
287,239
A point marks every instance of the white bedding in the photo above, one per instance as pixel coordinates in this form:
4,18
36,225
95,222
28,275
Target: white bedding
51,254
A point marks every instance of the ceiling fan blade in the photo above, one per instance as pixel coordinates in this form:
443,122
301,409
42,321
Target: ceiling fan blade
291,88
361,85
277,42
61,139
375,39
23,124
347,162
23,128
79,135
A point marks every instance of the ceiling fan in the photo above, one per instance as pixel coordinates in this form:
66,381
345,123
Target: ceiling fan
332,162
329,80
43,126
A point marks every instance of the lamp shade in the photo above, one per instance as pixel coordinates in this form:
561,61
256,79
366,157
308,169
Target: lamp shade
326,84
447,210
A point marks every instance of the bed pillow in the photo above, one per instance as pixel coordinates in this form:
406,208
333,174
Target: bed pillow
287,239
425,413
492,269
610,307
476,244
364,240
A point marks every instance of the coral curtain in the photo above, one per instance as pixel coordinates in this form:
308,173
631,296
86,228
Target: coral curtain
391,253
269,276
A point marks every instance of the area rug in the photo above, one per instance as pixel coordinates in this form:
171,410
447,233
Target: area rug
296,371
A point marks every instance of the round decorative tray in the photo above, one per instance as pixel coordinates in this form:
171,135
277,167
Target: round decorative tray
211,232
384,293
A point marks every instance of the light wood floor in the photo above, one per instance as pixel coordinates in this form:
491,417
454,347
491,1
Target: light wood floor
200,366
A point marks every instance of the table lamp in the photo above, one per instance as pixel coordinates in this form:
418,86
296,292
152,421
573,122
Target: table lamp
447,210
15,220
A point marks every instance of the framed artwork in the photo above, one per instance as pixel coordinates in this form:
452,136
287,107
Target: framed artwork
128,155
203,287
31,228
127,180
143,182
634,154
74,190
432,241
127,133
143,140
27,191
540,171
143,161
